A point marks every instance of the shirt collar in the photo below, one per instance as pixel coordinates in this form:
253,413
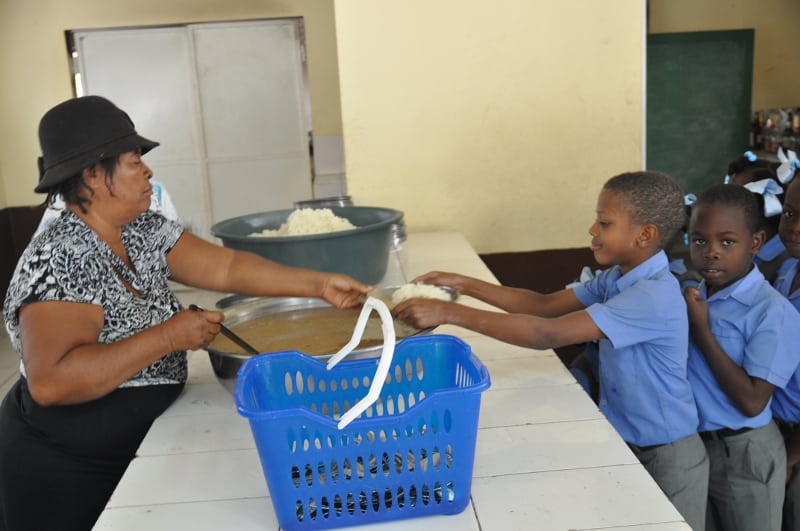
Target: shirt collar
739,290
771,249
646,269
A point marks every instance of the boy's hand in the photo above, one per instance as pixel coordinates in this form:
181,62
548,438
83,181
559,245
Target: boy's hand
422,313
697,308
439,278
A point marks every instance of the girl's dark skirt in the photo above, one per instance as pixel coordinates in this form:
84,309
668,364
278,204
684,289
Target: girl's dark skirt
60,464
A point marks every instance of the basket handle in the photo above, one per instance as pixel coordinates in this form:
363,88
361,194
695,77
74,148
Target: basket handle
387,327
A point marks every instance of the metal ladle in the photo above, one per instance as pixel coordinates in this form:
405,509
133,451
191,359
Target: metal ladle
230,334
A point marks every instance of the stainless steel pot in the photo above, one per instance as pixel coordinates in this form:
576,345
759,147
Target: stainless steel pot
240,309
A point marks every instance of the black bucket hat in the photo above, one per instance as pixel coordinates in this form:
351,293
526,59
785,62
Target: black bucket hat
80,132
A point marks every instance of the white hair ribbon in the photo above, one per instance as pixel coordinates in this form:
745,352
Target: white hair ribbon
789,165
689,199
768,189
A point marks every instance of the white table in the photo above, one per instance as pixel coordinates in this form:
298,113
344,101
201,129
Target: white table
546,458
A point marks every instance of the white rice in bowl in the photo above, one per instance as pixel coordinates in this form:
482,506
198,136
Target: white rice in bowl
422,291
308,221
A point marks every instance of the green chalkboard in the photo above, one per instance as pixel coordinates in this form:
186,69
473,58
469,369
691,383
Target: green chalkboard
699,87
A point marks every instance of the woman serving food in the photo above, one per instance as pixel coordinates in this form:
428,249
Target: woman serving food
102,338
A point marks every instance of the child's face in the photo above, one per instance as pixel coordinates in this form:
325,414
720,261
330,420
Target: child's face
720,245
789,228
614,234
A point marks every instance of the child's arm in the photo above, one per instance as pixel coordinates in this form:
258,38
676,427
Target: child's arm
792,453
518,329
748,393
511,300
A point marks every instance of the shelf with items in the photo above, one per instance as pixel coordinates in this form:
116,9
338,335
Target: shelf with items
774,128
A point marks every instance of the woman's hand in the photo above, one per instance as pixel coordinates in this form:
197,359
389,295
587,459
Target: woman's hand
192,329
343,291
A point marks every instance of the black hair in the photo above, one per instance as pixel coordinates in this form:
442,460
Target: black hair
654,198
742,163
736,197
70,189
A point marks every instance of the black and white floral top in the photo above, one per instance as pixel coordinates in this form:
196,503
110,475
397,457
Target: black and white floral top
69,262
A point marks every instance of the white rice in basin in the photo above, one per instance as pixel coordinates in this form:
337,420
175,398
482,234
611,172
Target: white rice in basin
423,291
308,221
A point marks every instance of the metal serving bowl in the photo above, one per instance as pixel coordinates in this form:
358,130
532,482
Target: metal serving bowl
239,309
362,253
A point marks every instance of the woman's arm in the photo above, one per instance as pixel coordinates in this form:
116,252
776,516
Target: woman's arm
518,329
749,393
511,300
65,364
196,262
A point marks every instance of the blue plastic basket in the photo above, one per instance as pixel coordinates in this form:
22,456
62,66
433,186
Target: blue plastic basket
408,455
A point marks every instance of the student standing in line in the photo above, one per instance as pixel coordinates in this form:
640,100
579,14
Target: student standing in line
636,311
786,401
744,338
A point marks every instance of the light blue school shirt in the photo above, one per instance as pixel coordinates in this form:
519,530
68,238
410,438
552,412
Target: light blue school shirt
644,391
770,250
760,331
786,401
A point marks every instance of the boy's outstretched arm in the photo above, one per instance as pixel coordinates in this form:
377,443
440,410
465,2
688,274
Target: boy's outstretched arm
749,393
518,329
511,300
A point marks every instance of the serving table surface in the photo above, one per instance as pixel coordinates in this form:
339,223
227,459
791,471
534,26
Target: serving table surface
546,457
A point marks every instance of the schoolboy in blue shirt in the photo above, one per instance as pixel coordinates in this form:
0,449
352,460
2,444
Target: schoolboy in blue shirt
786,401
744,336
636,311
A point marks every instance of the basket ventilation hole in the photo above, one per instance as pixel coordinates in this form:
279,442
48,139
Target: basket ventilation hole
398,462
306,444
362,501
448,420
411,400
334,471
354,383
448,456
409,431
365,381
451,491
409,370
287,384
389,405
324,410
382,436
344,385
292,442
337,505
412,496
331,441
420,369
437,492
422,427
295,476
401,497
321,474
423,460
398,373
357,439
325,506
299,511
386,465
360,467
322,386
376,501
401,404
310,383
426,495
312,509
309,475
435,458
351,503
410,461
318,441
298,379
435,422
334,385
347,469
